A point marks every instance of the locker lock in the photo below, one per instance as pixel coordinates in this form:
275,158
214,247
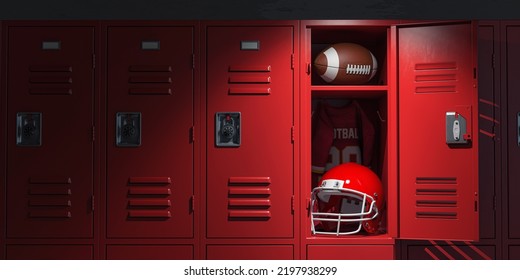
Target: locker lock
456,129
29,129
227,129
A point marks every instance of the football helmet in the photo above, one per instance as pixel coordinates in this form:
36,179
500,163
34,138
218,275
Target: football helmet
348,197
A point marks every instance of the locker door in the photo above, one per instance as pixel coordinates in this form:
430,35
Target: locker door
438,132
50,145
512,44
249,175
150,114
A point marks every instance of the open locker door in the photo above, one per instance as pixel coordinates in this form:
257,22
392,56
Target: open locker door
438,120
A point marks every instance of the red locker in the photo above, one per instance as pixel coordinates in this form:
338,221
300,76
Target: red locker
149,138
447,250
350,252
249,252
50,123
512,88
489,164
250,151
50,252
3,133
149,252
438,133
420,85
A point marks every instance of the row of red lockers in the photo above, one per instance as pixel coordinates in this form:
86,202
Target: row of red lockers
110,135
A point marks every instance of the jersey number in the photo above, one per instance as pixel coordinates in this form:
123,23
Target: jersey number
347,154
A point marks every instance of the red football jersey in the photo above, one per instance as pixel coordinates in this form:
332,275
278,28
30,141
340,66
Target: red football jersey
340,134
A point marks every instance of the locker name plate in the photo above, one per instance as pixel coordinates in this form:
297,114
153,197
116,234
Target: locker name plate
128,129
28,129
227,129
249,45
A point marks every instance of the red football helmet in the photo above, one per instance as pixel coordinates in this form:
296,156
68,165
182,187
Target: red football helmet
348,197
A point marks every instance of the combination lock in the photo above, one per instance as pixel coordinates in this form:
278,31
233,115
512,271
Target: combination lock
227,129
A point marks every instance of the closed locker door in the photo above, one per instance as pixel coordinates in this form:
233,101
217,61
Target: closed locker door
438,132
512,47
150,115
250,116
50,121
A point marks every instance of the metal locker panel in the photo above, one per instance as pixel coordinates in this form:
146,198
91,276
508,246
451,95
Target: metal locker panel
249,182
50,123
150,117
512,53
513,252
439,178
49,252
489,130
350,252
149,252
447,250
250,252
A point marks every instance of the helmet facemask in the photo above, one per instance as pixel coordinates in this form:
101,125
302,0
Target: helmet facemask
338,210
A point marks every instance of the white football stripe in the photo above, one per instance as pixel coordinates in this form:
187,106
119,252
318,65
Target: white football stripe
332,65
374,64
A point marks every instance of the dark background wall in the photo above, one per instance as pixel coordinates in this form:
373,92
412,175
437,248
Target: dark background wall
256,9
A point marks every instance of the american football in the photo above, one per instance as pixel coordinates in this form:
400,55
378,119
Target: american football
346,64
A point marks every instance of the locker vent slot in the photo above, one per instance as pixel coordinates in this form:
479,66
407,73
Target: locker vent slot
49,180
436,180
150,200
150,80
149,191
50,191
436,215
50,202
150,180
436,203
436,198
249,198
149,214
49,197
434,78
249,91
150,68
50,80
50,214
250,68
249,80
250,180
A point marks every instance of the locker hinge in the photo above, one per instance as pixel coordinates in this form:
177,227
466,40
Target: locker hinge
192,203
92,201
308,206
192,134
474,73
494,203
292,134
93,61
292,203
93,133
292,61
493,60
308,68
193,60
